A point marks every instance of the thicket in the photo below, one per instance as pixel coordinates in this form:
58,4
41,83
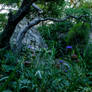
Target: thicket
65,66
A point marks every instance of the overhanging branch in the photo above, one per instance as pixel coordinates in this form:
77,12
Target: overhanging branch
37,8
37,21
62,20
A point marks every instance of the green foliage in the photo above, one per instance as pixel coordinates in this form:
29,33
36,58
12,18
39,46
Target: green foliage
51,8
60,35
9,2
88,56
77,11
86,5
43,74
78,35
3,21
54,35
40,71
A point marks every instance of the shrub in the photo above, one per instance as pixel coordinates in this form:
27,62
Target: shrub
78,35
43,75
54,35
88,56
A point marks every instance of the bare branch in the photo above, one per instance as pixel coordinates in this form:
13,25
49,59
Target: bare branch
62,20
36,21
37,8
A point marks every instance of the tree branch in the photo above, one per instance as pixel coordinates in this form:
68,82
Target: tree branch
36,21
37,8
13,20
62,20
23,10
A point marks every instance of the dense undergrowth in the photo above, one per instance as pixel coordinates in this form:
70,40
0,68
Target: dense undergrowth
63,67
41,72
66,64
60,35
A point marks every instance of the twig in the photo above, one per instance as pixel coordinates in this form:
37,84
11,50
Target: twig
37,8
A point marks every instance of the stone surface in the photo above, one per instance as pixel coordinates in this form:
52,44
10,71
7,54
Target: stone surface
32,37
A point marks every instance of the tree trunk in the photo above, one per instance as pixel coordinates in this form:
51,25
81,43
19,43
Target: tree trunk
13,20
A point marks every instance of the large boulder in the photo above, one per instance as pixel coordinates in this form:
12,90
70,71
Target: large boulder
32,38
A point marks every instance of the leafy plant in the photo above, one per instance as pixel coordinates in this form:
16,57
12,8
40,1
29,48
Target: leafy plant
54,35
78,35
44,73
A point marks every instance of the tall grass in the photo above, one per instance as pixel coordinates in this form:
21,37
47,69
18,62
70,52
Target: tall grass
43,74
